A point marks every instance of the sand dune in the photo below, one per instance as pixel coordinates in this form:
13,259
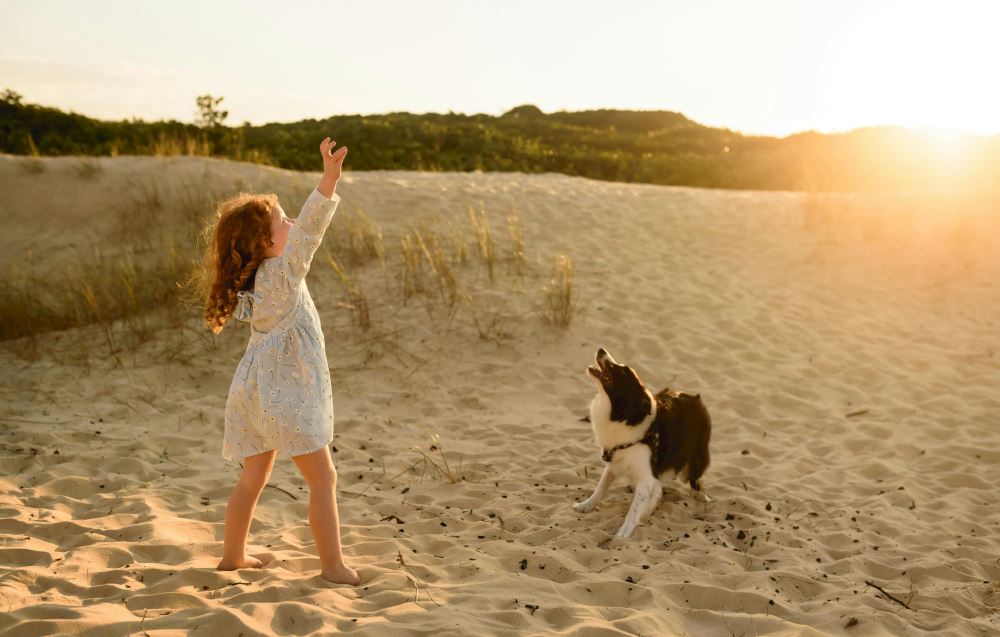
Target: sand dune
853,383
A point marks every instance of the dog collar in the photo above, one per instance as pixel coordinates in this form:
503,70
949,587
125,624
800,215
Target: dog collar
609,454
652,438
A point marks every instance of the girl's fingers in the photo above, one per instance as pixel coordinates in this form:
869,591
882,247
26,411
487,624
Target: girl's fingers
326,148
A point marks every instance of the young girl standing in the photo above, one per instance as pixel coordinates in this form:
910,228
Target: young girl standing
280,399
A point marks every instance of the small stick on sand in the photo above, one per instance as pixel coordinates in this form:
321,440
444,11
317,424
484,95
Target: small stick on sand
882,590
416,589
795,509
34,422
413,578
859,412
282,490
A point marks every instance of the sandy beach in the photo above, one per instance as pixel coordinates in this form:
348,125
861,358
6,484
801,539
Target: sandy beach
851,368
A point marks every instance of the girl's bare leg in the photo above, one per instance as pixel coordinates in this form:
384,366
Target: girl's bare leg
239,511
317,468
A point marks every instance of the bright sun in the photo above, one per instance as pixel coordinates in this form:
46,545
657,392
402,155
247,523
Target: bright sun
913,64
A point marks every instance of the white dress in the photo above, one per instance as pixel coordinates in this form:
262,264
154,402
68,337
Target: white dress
281,397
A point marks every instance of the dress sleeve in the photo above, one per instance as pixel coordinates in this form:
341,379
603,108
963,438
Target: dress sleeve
306,234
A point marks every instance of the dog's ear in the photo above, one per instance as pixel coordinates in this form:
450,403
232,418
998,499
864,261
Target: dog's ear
632,407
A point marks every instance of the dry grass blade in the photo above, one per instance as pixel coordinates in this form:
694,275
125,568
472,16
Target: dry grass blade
444,468
412,274
484,239
359,241
517,242
558,294
357,301
441,268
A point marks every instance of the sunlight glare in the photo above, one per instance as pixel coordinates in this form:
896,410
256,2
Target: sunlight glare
912,64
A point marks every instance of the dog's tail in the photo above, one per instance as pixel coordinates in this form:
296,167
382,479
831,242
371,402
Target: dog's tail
702,431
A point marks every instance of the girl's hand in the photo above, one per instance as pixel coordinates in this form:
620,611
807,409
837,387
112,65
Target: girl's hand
332,160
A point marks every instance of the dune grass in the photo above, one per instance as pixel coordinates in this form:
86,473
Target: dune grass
113,292
516,232
118,283
148,271
165,145
484,239
88,168
353,294
558,300
358,240
32,166
426,459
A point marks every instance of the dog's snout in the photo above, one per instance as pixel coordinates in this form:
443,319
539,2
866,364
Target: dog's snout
604,357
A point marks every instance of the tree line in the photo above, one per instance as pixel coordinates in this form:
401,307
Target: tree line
658,147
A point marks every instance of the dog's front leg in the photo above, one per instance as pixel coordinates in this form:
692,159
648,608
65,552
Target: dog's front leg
602,490
647,496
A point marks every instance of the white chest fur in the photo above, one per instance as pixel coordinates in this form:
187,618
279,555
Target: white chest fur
610,433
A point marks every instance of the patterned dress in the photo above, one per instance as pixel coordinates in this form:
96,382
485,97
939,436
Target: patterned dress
281,397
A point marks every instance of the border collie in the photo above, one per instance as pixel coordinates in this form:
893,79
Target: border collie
643,436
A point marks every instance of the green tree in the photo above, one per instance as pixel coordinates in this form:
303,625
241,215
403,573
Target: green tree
209,114
11,97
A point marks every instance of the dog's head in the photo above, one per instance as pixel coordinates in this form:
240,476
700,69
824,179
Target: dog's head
630,402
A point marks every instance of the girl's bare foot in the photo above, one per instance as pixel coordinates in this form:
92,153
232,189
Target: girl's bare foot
244,562
342,574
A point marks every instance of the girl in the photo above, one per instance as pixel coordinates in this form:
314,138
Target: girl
280,399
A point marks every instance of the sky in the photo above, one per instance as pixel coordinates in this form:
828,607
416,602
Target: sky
771,67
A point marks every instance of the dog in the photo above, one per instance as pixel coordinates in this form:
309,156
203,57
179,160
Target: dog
643,436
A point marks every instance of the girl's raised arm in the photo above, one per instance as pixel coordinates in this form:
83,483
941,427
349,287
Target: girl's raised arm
305,236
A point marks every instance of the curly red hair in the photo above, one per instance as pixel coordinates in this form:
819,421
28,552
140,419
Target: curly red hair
240,235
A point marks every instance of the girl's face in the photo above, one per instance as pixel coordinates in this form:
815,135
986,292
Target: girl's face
280,225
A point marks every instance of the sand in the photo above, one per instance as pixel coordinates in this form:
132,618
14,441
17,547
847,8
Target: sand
853,383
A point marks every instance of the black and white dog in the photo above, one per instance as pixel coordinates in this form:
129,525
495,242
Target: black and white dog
643,436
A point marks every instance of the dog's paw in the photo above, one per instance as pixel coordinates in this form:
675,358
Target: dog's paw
584,507
701,496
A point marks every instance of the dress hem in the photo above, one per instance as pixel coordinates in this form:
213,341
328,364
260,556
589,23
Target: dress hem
281,452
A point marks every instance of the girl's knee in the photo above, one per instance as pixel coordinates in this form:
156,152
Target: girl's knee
254,480
254,486
324,477
317,468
